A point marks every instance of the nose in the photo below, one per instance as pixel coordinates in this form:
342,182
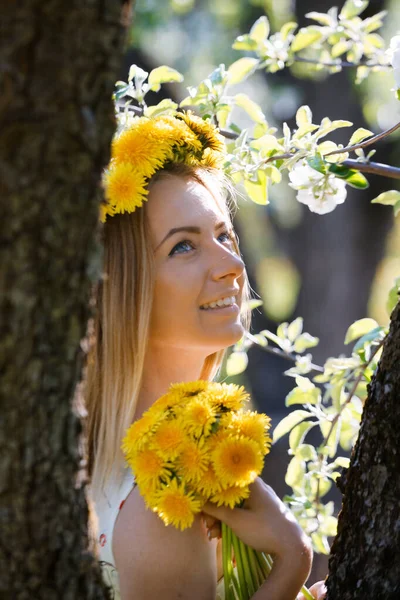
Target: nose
226,264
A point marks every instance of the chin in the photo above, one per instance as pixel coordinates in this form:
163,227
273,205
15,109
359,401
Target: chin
228,338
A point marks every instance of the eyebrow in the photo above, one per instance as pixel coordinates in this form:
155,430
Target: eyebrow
188,229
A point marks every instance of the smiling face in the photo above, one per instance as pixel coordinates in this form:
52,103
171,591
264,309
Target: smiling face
195,265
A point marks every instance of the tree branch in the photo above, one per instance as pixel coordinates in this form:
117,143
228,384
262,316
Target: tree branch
367,142
279,352
342,63
374,168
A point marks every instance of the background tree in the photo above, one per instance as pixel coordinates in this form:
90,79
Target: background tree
58,69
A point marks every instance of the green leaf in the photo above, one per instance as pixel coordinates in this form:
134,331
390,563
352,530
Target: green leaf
288,422
396,208
260,30
305,38
295,473
236,363
342,461
299,432
252,108
287,29
304,341
340,48
359,328
254,303
258,191
321,18
266,143
139,74
320,543
389,198
352,8
241,69
368,337
318,163
352,176
164,107
359,135
244,42
306,452
161,75
304,116
295,328
357,180
301,396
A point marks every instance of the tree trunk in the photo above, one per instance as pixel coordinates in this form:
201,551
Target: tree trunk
58,67
365,556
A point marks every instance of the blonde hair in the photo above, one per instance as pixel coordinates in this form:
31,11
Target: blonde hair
121,325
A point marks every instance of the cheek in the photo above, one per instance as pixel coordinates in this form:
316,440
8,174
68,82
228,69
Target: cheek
175,296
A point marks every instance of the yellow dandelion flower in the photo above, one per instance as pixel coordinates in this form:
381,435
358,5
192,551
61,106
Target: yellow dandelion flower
209,483
148,466
227,395
190,388
198,416
214,440
206,132
168,401
213,159
168,439
237,461
148,490
177,506
254,426
231,496
179,132
145,152
125,188
139,432
192,461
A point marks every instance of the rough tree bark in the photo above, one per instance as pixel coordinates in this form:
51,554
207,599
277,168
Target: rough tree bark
365,556
58,65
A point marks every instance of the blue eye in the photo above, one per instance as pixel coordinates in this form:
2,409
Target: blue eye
186,245
181,246
228,236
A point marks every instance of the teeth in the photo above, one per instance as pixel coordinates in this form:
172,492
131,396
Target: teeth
222,302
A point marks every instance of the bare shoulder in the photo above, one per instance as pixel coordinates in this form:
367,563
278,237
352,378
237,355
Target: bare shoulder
156,561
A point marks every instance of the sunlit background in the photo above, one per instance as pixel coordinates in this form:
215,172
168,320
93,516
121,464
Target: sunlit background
330,269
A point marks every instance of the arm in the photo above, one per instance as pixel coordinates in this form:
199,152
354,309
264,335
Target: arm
156,562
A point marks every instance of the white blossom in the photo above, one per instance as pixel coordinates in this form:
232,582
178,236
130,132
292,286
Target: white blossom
394,51
321,192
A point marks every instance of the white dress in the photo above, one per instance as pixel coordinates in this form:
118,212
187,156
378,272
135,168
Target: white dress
108,503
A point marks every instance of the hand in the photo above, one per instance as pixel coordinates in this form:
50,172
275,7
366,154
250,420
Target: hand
318,590
264,523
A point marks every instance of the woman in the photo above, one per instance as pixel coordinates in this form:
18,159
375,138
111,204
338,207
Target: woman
167,308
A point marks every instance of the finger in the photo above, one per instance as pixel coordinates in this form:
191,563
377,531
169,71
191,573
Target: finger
318,590
221,513
214,532
210,521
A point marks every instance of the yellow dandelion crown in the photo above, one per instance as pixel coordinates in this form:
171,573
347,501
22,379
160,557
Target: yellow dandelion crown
148,145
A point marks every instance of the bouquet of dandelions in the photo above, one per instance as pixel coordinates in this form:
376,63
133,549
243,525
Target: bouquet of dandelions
197,444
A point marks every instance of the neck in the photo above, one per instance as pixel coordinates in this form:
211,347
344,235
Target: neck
162,367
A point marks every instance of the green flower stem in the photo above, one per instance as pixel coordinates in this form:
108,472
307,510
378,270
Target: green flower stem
240,568
306,593
227,562
252,567
247,570
255,570
260,572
